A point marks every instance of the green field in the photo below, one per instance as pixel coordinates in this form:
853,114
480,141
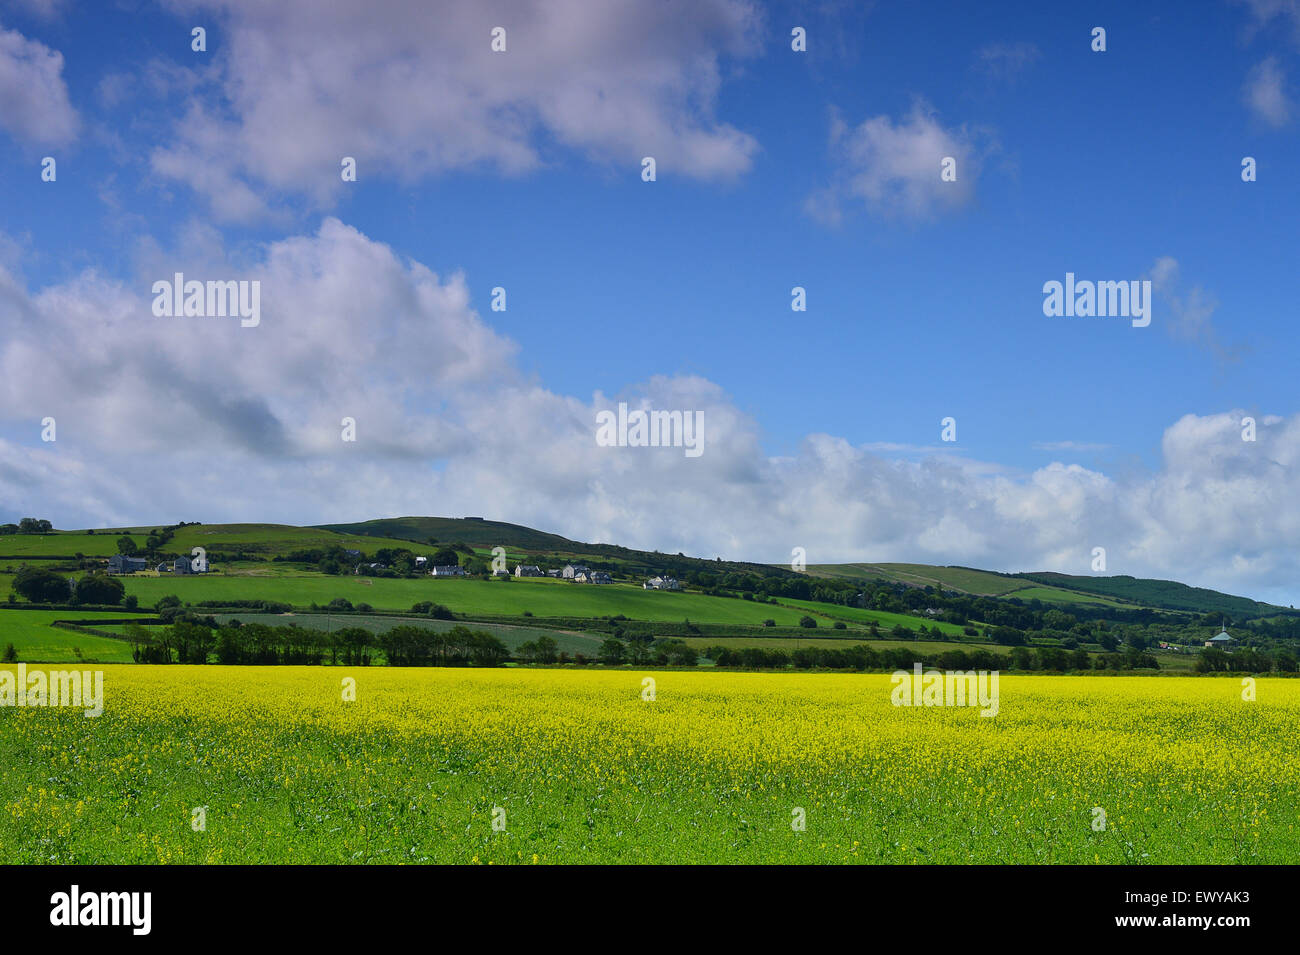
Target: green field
884,618
979,582
36,641
65,544
1057,595
541,597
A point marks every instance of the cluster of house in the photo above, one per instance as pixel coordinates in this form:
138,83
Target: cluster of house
578,573
121,564
662,583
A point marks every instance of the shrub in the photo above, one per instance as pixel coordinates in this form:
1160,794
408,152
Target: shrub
807,622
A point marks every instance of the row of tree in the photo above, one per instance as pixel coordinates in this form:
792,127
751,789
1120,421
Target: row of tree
28,525
197,642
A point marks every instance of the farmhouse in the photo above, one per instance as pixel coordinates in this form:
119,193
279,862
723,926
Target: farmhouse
599,577
1220,642
662,583
421,561
571,571
121,564
528,570
182,565
447,570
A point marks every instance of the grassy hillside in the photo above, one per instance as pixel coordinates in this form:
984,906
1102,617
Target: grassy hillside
966,580
978,582
477,533
541,597
1168,594
65,544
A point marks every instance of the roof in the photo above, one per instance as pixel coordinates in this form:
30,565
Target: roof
1222,637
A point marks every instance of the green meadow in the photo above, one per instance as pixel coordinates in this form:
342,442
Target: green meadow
541,597
36,641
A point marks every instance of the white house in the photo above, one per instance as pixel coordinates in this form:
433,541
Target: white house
571,571
528,570
662,583
448,570
421,561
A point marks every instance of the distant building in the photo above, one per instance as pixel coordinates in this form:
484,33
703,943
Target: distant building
121,564
449,570
599,577
353,554
182,565
553,573
571,571
662,583
421,561
1220,642
528,570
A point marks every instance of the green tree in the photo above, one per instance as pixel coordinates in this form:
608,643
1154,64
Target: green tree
99,589
126,546
42,586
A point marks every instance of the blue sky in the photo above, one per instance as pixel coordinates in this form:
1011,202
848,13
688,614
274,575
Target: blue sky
1101,164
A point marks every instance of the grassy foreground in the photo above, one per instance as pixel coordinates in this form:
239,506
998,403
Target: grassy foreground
714,769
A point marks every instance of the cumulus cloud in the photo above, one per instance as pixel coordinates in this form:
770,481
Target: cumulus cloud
1265,93
163,419
412,89
34,104
893,167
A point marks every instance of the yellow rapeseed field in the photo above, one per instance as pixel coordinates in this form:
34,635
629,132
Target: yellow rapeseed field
252,764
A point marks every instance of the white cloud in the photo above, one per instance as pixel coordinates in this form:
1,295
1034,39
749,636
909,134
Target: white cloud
1188,313
34,104
893,167
1265,93
412,89
1263,12
163,419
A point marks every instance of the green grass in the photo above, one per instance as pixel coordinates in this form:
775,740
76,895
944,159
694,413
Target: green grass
978,582
38,642
277,539
64,543
1057,595
541,597
884,618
